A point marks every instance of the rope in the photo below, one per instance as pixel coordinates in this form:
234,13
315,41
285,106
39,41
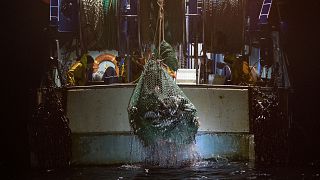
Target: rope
160,24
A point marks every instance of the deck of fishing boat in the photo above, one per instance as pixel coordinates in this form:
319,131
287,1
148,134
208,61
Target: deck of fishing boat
101,133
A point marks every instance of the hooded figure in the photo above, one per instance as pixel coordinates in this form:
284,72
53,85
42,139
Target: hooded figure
241,72
81,71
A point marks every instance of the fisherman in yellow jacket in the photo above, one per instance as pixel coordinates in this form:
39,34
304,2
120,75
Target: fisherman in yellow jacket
241,72
81,71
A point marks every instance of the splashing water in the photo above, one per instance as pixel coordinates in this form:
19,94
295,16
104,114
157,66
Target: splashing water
171,155
163,118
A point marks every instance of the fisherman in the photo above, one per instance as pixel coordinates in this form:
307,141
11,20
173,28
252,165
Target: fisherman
241,72
80,72
110,76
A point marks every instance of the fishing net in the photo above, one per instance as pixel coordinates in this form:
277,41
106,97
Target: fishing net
168,55
159,110
224,25
98,24
50,134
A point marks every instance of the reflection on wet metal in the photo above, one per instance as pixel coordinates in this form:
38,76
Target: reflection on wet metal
200,170
269,125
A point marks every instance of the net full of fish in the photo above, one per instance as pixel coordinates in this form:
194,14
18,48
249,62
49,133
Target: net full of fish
159,110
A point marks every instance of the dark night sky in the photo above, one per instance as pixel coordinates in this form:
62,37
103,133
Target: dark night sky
26,50
303,52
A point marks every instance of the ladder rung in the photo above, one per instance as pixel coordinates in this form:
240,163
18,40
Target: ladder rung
267,1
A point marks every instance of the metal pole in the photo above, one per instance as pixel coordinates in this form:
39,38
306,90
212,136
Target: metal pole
244,27
215,63
196,59
203,38
181,46
118,15
129,61
187,38
138,17
80,31
57,74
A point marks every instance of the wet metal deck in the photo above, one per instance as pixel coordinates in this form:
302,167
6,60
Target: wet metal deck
101,131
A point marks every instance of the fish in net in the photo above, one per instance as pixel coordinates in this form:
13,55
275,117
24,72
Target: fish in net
159,110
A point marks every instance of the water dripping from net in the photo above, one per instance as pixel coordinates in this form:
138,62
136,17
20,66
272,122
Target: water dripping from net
165,154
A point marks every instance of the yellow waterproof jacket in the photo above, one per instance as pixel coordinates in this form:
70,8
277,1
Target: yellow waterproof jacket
77,74
171,72
243,73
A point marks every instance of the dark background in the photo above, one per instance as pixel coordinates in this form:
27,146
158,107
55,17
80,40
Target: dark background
24,55
25,50
303,50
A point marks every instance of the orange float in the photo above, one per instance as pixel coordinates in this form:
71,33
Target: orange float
105,57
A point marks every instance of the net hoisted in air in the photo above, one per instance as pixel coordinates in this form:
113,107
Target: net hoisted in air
158,110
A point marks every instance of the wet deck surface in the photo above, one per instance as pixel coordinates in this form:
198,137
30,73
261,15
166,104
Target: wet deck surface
200,170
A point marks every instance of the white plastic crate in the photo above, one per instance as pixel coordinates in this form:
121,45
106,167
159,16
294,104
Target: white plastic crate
186,76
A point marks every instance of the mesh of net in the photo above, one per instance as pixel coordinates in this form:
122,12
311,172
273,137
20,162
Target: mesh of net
224,25
98,24
49,131
159,110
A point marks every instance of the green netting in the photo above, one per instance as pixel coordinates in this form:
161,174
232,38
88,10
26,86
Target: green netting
169,55
98,24
159,110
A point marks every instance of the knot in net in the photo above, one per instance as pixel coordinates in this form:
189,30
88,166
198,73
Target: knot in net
159,110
